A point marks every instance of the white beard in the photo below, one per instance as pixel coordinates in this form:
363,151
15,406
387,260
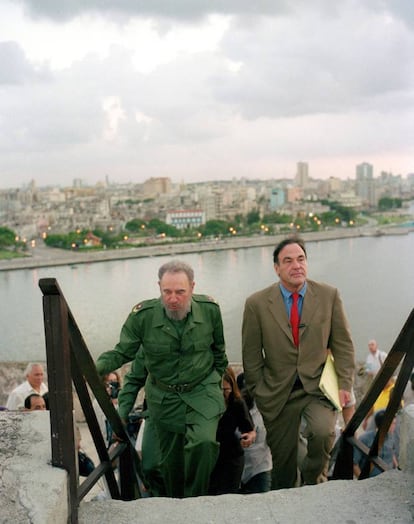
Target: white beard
177,314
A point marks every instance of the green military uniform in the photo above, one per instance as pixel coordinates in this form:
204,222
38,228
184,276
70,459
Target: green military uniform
181,366
151,457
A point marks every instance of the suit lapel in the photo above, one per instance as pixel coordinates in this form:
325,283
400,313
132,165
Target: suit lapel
310,305
278,310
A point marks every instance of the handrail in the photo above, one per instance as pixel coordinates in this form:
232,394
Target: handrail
402,352
68,360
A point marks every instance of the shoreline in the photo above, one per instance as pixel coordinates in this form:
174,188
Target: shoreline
43,256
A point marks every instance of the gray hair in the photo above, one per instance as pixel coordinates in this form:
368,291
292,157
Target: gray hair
176,266
30,367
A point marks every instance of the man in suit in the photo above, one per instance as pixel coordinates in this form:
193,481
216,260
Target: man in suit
283,369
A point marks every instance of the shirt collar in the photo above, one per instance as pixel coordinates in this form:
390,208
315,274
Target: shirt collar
286,294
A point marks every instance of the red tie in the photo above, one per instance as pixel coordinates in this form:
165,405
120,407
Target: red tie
294,318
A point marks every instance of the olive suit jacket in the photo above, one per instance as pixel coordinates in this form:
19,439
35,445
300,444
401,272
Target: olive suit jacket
270,359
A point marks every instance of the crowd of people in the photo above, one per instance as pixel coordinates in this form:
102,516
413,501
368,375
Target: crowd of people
207,430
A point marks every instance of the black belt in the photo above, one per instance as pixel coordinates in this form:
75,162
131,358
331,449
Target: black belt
178,388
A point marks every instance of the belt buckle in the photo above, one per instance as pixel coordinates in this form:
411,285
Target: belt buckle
180,388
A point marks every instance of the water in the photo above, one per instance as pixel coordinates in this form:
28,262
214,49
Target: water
375,276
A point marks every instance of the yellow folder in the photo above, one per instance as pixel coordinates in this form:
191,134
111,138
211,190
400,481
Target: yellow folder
328,383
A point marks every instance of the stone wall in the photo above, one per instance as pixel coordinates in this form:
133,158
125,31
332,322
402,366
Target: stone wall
31,489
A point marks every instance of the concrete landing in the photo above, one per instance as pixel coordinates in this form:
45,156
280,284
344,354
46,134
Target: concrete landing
387,498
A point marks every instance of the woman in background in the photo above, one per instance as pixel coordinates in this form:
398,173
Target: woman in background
235,432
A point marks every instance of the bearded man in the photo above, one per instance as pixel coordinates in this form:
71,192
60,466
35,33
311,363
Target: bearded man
176,343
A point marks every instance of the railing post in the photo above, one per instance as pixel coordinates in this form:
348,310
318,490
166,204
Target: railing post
60,393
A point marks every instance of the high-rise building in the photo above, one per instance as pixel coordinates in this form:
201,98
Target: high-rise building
365,184
302,174
364,171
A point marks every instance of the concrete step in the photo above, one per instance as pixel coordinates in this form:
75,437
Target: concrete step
386,498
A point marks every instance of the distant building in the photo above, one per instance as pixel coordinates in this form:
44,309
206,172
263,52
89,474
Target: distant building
302,174
294,194
78,183
187,218
277,198
157,186
92,240
365,184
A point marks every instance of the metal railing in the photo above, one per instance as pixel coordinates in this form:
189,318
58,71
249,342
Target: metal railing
70,363
400,359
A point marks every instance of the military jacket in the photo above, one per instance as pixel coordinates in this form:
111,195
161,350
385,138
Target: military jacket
159,354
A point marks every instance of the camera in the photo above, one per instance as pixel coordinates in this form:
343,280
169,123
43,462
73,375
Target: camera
113,388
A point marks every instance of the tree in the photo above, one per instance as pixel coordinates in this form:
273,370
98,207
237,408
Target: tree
159,227
386,203
253,217
215,228
135,225
7,237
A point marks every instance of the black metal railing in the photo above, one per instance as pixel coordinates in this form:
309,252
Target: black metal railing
400,361
69,364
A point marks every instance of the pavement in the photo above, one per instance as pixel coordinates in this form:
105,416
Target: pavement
386,498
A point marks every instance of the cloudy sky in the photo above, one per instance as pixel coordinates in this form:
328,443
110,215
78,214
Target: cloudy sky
204,89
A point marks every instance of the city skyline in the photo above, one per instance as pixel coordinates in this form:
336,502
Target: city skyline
196,95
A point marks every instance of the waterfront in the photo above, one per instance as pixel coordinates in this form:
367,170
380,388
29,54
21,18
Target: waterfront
375,277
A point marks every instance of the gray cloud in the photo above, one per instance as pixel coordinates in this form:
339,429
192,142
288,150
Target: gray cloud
327,82
314,65
177,9
194,9
15,68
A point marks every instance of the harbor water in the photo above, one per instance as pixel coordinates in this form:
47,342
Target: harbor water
375,277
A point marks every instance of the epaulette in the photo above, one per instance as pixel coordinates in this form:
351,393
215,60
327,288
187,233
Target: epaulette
205,298
145,304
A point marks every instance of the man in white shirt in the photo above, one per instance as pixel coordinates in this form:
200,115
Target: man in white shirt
375,359
33,384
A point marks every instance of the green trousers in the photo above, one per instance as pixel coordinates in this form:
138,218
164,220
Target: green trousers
283,439
187,459
151,458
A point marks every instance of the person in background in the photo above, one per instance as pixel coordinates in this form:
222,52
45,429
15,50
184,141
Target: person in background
374,360
180,335
380,404
34,402
112,385
235,433
388,452
34,374
287,329
257,471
